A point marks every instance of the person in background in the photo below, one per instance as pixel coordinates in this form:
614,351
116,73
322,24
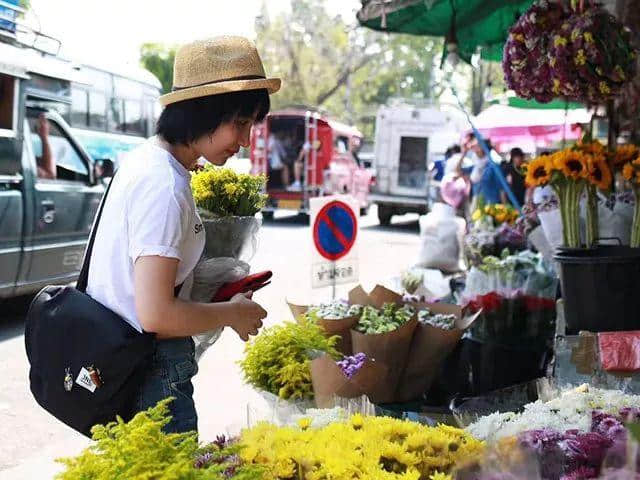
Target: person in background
515,178
298,167
46,163
277,155
451,158
484,178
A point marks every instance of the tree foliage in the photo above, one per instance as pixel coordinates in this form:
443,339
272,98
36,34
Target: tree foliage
158,59
329,63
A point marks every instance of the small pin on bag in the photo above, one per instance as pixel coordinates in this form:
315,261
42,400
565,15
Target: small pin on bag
86,361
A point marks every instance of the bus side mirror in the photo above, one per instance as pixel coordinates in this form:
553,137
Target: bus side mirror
104,168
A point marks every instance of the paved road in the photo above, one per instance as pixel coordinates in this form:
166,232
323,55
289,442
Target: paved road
31,439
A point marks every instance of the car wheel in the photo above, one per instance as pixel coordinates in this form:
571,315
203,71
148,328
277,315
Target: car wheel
384,215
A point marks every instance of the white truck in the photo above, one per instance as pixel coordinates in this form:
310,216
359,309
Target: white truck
408,142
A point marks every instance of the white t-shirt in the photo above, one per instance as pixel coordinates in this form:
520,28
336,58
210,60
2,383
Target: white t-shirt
276,153
149,211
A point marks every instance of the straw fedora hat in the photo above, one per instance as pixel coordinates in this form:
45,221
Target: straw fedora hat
217,65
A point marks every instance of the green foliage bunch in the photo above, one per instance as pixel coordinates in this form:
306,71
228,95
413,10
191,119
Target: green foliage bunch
389,318
225,193
278,360
140,450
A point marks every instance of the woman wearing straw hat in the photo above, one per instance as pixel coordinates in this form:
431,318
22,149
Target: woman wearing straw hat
150,235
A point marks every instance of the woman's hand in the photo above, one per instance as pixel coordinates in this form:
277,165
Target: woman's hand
249,315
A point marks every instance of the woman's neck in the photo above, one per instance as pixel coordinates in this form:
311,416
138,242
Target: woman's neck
183,153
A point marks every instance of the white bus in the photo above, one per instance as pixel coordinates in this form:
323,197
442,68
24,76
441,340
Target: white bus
110,110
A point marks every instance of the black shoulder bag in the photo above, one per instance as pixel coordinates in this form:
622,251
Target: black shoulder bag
87,362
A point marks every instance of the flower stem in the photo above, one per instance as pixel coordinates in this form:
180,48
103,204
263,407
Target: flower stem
592,216
635,226
571,213
561,192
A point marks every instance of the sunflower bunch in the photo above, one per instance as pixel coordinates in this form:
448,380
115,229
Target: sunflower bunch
569,172
627,158
221,192
375,448
498,213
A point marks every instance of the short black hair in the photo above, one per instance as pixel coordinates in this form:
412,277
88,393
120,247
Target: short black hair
517,152
186,121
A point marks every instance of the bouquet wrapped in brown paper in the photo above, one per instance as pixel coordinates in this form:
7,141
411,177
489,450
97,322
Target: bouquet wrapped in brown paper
347,379
440,327
384,333
335,318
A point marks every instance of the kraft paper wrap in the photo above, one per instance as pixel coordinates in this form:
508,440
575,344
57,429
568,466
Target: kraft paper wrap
429,348
342,327
329,382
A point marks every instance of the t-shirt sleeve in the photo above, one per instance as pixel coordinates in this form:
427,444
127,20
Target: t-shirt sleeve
156,221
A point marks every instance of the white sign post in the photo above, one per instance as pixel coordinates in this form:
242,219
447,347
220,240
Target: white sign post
334,233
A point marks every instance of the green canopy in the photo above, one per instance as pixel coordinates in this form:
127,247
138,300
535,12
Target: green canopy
478,23
557,104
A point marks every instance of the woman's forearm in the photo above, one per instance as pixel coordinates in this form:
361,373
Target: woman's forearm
182,319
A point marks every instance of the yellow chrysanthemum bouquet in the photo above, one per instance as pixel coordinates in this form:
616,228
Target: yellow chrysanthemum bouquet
375,448
570,172
221,192
227,203
496,213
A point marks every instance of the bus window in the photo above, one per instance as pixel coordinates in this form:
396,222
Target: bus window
116,115
79,107
100,81
125,88
133,117
48,85
97,111
341,144
7,91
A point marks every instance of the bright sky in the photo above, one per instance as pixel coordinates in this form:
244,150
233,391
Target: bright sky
111,31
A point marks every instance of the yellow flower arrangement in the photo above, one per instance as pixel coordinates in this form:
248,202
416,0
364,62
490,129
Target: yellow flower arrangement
222,192
599,173
569,172
627,158
498,213
572,163
375,448
539,171
625,154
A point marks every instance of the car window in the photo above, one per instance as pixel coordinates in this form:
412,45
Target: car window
67,161
341,144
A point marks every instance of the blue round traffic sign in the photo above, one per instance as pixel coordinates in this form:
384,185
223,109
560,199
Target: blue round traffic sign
335,230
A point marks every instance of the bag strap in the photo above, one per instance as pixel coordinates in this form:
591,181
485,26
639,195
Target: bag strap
83,278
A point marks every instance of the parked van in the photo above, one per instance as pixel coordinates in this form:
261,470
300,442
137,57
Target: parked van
408,142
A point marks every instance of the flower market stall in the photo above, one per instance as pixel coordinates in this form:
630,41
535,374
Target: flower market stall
528,368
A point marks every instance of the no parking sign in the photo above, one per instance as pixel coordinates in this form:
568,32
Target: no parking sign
334,229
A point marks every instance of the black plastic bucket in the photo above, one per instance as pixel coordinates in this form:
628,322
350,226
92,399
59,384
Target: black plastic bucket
600,288
477,368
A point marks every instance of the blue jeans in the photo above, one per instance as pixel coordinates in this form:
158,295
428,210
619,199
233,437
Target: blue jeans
169,375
